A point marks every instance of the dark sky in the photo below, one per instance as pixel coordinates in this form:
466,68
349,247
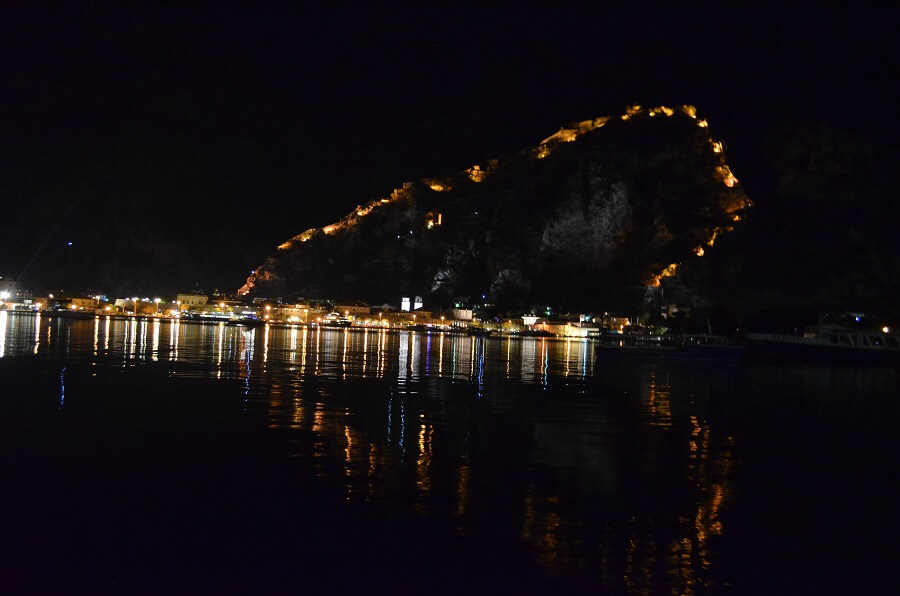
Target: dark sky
199,138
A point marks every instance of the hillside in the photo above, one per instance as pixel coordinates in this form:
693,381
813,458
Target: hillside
590,218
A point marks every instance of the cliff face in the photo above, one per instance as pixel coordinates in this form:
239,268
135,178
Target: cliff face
595,211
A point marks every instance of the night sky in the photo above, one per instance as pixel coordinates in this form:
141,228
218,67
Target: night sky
190,142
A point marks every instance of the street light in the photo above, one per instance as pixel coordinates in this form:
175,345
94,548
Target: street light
135,300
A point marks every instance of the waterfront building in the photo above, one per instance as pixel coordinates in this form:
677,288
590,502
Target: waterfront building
354,309
192,301
9,290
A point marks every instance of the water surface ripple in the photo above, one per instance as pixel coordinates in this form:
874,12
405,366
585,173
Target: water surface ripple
156,455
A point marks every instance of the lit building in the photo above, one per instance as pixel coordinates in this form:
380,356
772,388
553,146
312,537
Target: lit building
192,301
462,314
9,290
616,323
291,313
84,303
354,309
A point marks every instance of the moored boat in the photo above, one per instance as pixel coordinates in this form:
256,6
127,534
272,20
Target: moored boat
830,343
334,319
681,347
64,313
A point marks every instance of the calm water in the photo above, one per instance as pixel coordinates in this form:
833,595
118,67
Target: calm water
143,456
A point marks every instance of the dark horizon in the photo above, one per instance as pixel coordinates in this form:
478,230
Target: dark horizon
181,146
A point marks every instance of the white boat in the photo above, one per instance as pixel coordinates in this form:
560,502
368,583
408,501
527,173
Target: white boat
335,319
829,343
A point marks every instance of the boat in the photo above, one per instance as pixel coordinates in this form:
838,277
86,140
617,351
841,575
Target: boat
335,319
830,343
687,347
65,313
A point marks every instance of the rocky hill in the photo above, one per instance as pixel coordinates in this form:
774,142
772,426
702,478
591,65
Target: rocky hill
598,211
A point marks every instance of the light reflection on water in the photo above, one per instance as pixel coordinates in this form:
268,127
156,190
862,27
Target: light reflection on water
425,448
617,475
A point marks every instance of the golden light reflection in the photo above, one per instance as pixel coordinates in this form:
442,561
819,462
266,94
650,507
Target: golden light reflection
372,472
356,457
344,343
3,323
423,464
365,350
142,353
37,332
540,526
658,404
320,452
297,414
155,347
710,475
680,564
132,329
318,348
405,458
220,347
640,560
382,337
545,363
174,338
414,356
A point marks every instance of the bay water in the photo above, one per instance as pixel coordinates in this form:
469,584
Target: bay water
147,456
